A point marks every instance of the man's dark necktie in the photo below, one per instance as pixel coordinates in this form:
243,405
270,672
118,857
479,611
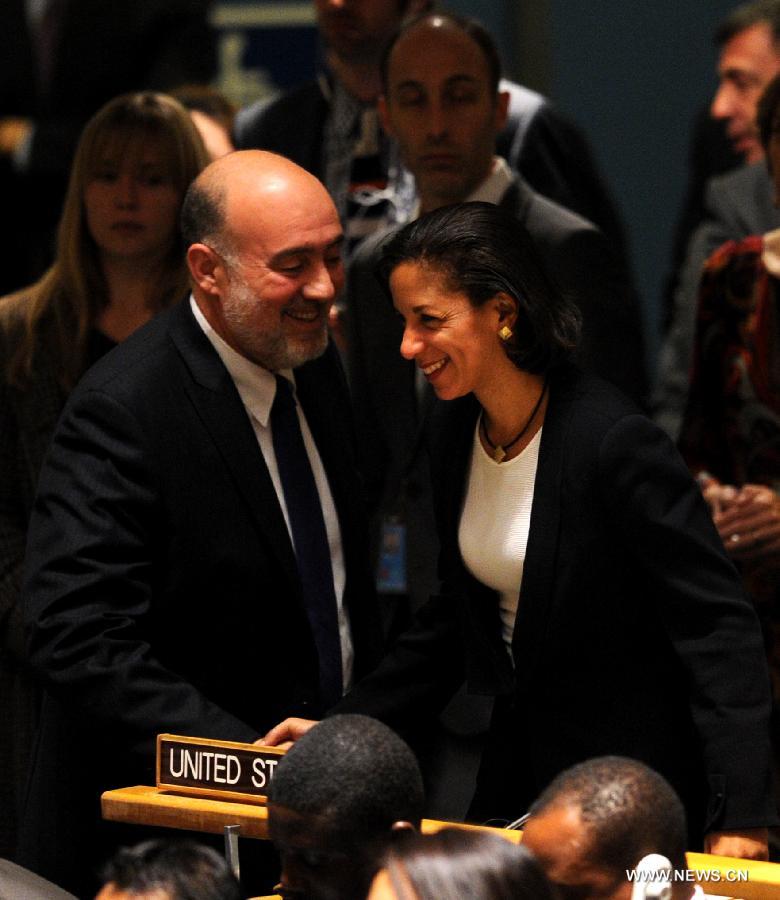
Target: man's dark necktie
310,538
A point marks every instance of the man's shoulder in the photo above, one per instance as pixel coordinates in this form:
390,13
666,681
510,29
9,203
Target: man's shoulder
369,251
586,411
264,122
747,179
532,118
742,202
538,212
524,103
137,360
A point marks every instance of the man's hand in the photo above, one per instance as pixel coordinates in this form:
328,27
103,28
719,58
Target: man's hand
751,843
286,733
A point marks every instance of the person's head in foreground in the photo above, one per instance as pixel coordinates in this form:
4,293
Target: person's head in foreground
598,821
168,870
335,803
479,309
264,253
455,863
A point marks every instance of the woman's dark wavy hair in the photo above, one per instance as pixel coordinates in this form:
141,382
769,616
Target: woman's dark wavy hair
481,251
455,863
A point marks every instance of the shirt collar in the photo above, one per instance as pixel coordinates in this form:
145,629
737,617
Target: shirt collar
491,190
255,385
495,185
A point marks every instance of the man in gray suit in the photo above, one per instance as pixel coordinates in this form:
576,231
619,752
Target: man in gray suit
736,204
443,105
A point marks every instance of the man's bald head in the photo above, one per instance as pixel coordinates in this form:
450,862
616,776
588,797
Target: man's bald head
264,243
250,178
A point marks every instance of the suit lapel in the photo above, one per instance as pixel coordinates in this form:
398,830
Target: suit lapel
218,405
543,537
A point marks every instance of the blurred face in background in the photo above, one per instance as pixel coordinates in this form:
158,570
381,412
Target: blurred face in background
748,62
358,30
132,204
441,108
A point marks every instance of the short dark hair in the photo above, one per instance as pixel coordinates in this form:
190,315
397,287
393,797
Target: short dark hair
745,16
184,869
474,29
482,250
766,112
628,809
202,213
454,863
353,771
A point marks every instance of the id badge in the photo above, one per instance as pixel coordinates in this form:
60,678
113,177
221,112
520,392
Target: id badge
391,570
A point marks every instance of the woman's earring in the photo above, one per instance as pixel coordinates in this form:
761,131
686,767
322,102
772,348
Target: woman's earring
505,333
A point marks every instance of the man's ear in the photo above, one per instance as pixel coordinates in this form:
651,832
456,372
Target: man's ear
205,267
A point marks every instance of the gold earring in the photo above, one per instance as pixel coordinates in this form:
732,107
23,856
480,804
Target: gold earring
505,333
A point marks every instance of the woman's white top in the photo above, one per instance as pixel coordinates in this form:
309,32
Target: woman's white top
493,531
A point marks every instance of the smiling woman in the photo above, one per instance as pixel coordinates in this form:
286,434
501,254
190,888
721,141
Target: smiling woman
583,585
118,262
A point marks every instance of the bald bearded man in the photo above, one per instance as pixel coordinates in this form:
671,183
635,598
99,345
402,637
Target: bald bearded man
168,585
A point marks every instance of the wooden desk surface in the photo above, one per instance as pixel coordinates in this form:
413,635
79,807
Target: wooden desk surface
145,805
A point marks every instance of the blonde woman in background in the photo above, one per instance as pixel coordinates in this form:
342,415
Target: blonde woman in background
118,262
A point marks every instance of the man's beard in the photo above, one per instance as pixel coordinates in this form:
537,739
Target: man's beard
272,349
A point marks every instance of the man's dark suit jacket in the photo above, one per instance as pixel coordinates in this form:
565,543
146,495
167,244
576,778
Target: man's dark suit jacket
162,592
632,635
538,142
